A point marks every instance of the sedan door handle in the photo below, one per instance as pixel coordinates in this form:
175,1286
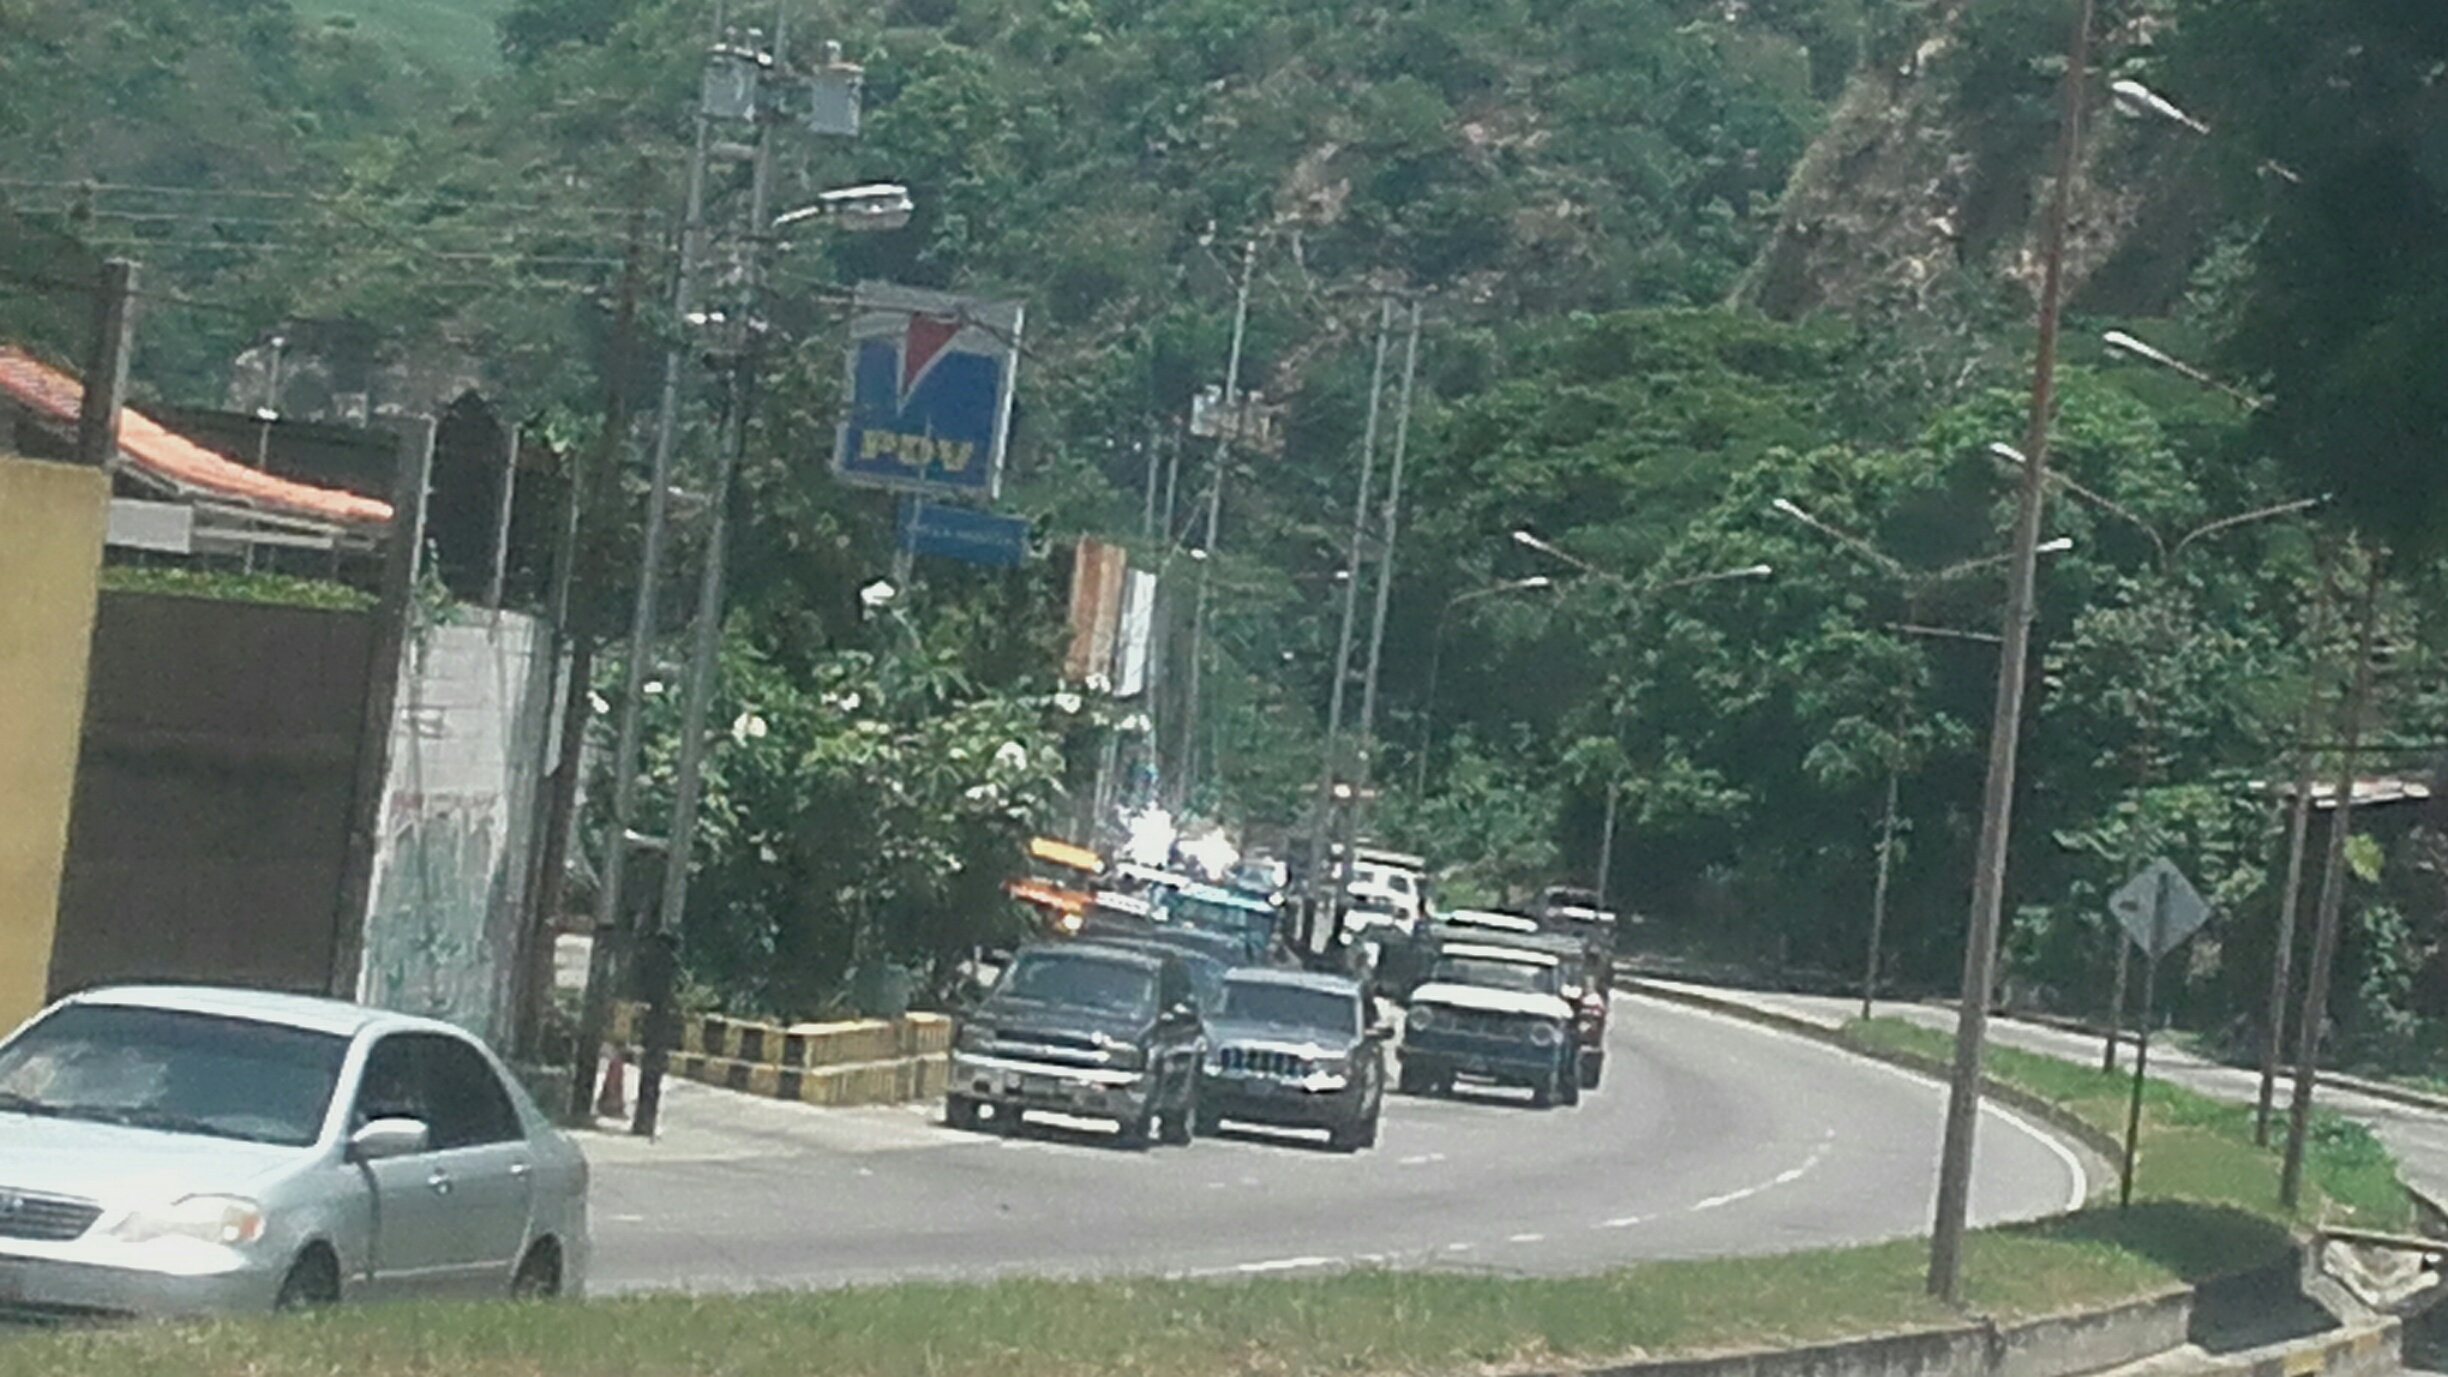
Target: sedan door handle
439,1182
518,1169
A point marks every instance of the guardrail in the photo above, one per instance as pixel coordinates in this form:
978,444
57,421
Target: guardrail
857,1062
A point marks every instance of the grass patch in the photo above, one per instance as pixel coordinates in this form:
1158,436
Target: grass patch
282,589
1367,1322
2194,1148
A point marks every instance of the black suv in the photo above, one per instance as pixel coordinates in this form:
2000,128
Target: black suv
1083,1028
1295,1050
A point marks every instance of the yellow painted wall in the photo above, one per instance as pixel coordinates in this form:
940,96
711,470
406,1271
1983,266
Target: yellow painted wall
52,518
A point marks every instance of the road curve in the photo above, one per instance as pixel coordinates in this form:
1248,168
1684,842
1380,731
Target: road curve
1711,1136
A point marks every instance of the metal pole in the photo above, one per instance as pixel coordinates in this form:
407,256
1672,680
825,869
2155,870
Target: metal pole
501,519
2299,824
1215,517
1878,890
595,1012
1945,1277
2150,991
1606,843
2315,1010
1385,561
1147,518
106,366
705,646
1321,831
2116,998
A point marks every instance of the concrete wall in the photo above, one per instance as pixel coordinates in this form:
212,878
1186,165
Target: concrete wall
442,931
51,523
212,802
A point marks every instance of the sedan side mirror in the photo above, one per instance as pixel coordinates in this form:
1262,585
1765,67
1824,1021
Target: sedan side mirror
383,1139
1184,1012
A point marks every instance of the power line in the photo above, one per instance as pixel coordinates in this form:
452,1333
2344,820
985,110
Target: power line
316,197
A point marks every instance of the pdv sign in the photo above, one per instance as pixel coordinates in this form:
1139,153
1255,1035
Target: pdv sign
930,392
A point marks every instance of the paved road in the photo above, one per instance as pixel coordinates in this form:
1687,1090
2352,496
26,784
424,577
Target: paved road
1711,1136
2419,1137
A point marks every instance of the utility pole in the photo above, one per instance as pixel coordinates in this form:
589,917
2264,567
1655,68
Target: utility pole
573,634
595,1013
2315,1010
106,366
706,642
2299,823
1385,562
1322,904
495,584
1215,516
1945,1277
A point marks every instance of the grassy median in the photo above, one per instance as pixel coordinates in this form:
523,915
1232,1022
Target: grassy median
2192,1147
2206,1208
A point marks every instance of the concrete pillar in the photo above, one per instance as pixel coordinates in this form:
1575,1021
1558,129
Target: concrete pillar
52,519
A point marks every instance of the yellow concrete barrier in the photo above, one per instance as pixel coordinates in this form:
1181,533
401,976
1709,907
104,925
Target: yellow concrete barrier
861,1062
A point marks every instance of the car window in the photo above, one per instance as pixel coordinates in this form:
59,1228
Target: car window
1291,1006
441,1081
174,1071
1496,975
1082,981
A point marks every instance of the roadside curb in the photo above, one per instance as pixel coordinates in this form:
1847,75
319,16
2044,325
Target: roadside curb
2070,1344
836,1065
2072,1126
2357,1351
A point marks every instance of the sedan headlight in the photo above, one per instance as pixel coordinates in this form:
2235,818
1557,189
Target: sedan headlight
1546,1034
228,1220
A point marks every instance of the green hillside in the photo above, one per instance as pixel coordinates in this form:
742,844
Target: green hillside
455,36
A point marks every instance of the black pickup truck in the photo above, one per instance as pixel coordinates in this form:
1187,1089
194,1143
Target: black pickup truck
1082,1028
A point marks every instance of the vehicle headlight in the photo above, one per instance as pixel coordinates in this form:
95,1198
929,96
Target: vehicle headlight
977,1037
1123,1056
1421,1016
1546,1034
228,1220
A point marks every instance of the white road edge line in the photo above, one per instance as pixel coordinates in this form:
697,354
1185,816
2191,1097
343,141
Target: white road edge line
1287,1264
2081,1191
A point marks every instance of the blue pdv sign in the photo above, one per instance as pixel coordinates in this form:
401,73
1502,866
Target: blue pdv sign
930,392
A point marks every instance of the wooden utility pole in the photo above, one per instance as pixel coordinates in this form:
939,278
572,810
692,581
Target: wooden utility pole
106,366
2315,1010
403,558
1945,1275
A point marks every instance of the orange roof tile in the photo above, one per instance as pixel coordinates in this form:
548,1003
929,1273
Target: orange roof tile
171,456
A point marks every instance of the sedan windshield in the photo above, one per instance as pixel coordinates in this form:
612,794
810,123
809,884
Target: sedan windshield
1290,1006
174,1071
1497,975
1082,981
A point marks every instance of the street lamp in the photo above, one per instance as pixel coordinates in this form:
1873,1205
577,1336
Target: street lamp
2126,346
867,207
2167,555
1749,571
1915,584
2134,98
1436,652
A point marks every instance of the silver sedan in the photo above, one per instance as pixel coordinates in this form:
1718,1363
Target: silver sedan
178,1150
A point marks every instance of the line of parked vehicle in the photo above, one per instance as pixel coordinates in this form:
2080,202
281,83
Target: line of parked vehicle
1180,1007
